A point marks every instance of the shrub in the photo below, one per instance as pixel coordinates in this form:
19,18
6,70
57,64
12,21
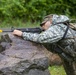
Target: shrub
35,10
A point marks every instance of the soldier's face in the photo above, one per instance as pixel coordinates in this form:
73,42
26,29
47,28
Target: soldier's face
46,25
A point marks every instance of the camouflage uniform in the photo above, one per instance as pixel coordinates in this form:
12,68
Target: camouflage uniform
54,34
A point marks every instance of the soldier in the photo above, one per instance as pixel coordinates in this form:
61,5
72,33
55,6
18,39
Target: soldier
55,36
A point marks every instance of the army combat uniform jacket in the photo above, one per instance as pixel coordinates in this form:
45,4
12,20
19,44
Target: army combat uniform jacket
54,35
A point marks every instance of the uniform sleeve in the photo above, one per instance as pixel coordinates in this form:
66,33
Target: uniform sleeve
53,34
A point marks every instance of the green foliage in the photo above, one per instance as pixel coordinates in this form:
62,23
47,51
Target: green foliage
35,10
57,70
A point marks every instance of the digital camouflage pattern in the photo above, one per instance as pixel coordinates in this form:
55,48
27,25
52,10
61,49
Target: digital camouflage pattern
54,34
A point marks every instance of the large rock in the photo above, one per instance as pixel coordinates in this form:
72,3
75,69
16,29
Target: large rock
20,57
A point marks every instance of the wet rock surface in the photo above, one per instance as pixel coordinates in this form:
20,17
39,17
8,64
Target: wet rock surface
20,57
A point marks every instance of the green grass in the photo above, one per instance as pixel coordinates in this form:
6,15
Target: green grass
17,23
57,70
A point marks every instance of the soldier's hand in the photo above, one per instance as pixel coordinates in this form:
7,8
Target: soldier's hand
17,32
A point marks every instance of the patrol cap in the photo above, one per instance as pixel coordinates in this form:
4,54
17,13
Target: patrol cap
46,18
